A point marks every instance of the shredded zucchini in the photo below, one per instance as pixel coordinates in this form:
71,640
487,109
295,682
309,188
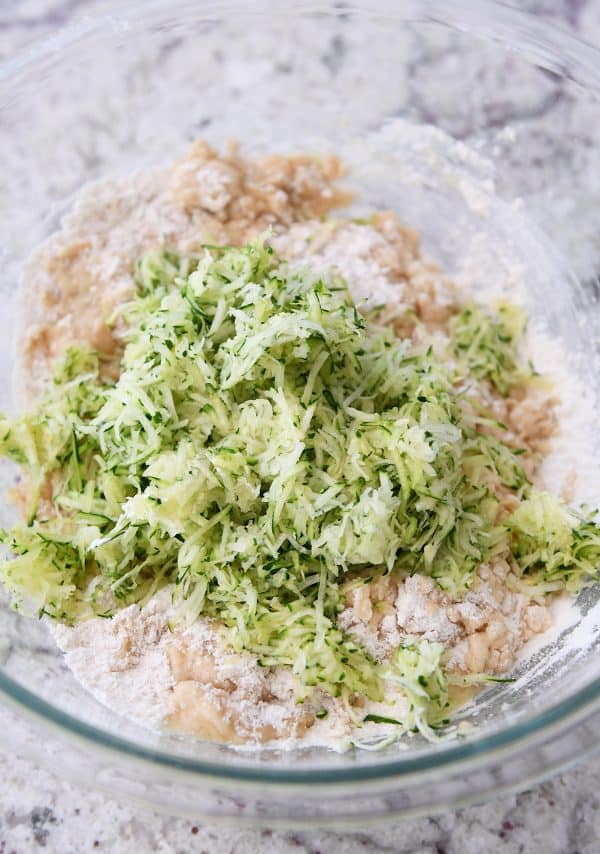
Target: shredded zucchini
555,547
418,669
488,344
262,443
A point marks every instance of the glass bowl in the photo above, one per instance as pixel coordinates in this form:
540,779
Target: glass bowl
131,89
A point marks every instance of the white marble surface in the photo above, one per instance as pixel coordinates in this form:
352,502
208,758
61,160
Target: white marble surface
37,810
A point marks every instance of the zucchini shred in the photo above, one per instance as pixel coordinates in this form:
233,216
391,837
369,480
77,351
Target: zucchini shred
264,445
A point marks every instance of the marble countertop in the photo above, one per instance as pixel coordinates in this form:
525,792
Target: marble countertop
38,810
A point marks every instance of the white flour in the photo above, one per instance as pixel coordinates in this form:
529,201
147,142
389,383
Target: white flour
349,250
573,467
127,663
123,660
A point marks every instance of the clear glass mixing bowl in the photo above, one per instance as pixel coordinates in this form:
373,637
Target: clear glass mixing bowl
114,94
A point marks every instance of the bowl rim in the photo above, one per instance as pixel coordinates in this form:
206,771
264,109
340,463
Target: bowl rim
454,755
542,42
572,57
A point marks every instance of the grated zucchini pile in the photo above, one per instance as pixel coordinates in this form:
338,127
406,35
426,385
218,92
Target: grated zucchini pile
262,445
